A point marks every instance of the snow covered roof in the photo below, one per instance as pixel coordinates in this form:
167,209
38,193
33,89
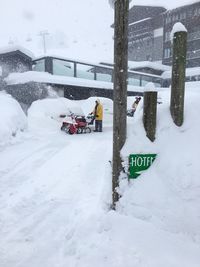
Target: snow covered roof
136,22
177,4
159,3
142,64
44,77
139,13
147,64
13,48
189,72
138,3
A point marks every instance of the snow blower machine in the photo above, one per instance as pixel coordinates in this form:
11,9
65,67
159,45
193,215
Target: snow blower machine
77,124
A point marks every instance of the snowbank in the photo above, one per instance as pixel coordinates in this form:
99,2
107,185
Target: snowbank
59,211
167,195
45,110
13,119
88,106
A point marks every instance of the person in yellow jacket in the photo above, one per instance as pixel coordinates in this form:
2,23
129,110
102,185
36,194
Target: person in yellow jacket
98,115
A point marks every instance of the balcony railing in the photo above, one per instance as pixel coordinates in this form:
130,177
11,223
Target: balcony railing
84,70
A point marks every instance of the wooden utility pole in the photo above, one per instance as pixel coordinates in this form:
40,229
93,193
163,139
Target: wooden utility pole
178,75
119,90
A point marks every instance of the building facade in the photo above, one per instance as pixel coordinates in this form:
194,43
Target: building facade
189,16
149,33
145,40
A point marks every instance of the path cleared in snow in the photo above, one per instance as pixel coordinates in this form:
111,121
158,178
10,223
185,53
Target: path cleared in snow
50,185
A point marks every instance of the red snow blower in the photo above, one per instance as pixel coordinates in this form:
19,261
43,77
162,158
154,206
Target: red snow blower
77,124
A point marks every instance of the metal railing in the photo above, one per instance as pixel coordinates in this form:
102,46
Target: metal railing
85,70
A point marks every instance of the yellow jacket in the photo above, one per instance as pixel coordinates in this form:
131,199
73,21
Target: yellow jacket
98,112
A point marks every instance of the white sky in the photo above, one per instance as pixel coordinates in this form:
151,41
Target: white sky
81,28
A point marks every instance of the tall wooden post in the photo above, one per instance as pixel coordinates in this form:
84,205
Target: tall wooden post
48,64
120,90
178,75
150,114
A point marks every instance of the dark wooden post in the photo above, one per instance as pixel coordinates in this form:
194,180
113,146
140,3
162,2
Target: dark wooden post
150,112
95,73
75,69
48,64
119,90
178,75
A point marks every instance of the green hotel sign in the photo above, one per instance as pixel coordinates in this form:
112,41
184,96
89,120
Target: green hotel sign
139,163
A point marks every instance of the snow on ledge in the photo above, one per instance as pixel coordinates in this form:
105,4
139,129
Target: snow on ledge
148,64
195,71
44,77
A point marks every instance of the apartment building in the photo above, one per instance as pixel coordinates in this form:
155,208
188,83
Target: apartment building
145,40
150,28
189,15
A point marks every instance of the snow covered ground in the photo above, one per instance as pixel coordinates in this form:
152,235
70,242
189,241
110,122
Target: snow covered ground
56,192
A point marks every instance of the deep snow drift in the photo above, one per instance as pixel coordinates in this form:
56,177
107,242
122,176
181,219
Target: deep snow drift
13,119
56,192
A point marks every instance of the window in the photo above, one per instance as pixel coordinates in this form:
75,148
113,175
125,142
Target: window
134,79
85,71
148,58
158,32
167,36
62,67
196,12
167,53
103,74
21,67
39,65
168,19
183,15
